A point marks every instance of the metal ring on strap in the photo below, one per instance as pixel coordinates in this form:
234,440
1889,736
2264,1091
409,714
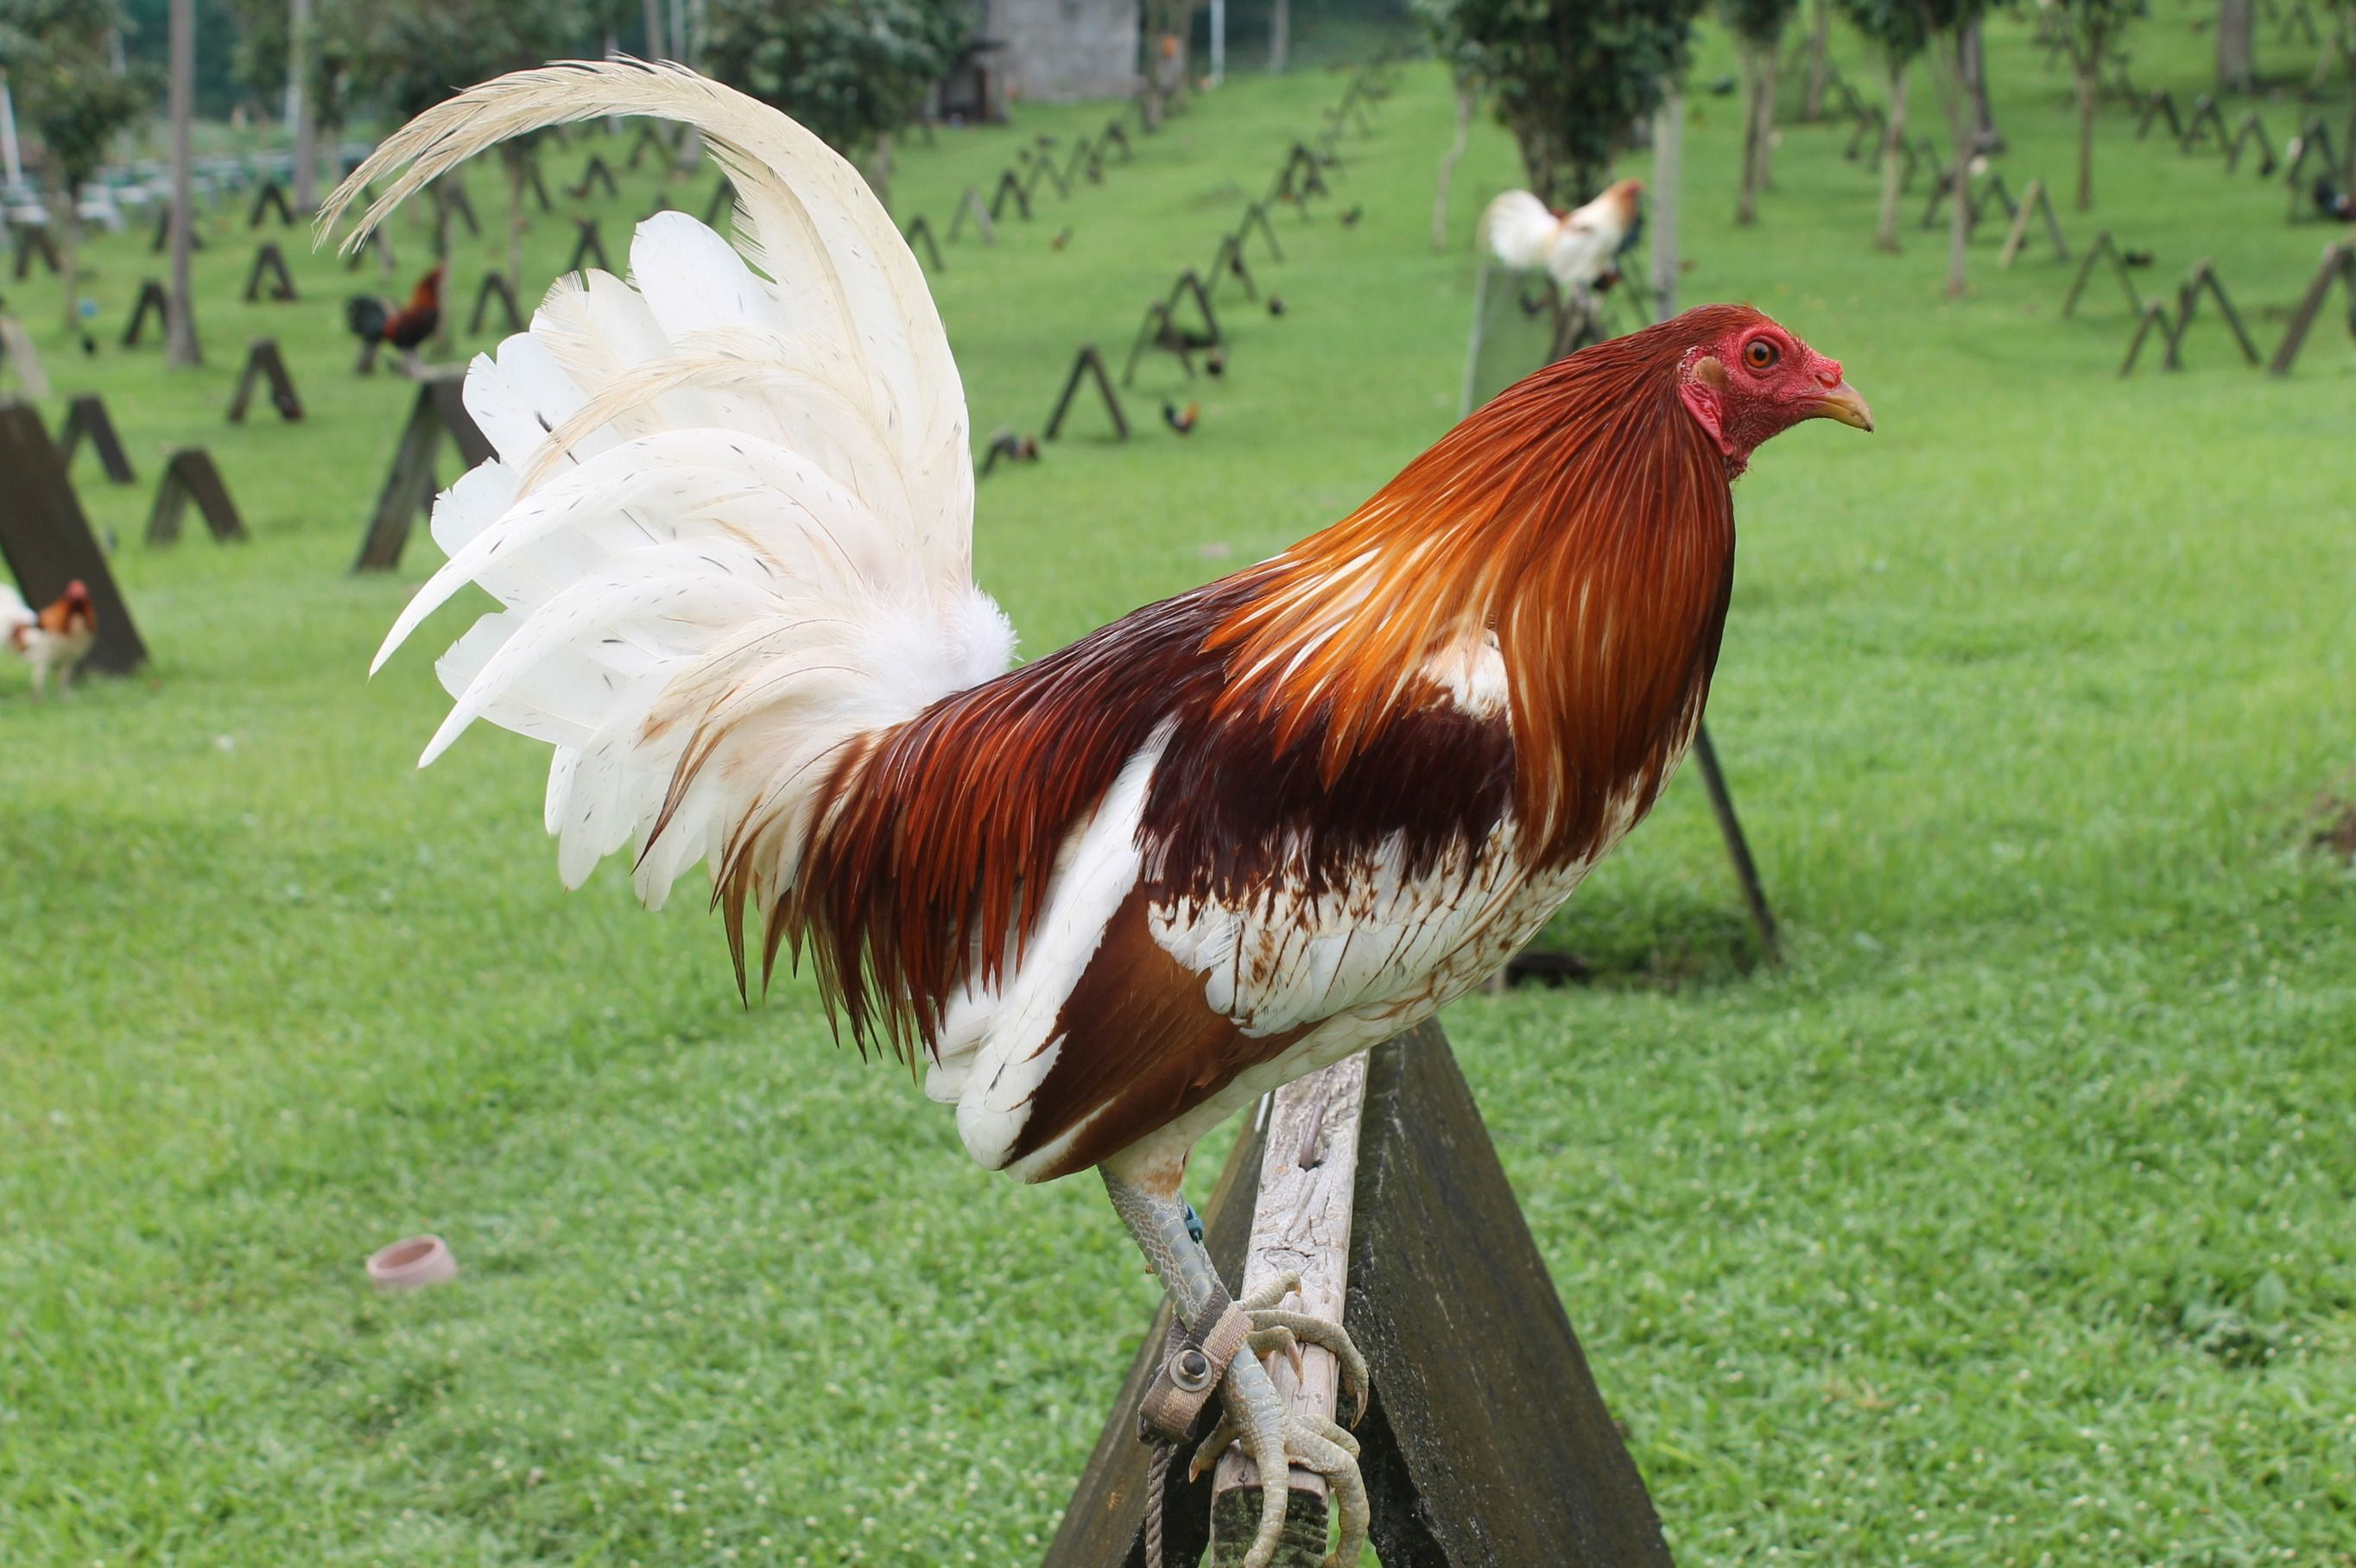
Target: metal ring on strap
1193,1362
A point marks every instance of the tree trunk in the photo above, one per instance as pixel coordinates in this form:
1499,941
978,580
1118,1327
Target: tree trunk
1893,151
1770,58
879,170
1279,36
68,227
301,121
1448,160
181,330
519,169
1957,92
1812,106
2236,53
1975,73
1746,203
2347,59
2090,88
654,29
1668,171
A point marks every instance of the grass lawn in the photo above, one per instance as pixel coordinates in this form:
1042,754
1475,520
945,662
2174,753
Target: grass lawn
2008,1223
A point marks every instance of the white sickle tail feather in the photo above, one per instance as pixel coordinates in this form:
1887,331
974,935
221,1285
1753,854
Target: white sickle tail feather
731,518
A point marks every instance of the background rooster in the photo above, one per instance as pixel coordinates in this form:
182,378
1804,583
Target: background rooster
1115,894
1580,251
56,640
375,320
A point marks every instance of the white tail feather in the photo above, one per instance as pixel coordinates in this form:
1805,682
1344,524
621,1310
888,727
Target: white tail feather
732,509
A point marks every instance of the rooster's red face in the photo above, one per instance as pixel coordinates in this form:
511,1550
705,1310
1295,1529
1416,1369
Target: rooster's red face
1758,381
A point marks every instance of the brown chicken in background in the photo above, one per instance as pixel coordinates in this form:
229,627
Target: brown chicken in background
375,320
55,640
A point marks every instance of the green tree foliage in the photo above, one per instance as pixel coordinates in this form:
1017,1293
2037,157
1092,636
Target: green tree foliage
1570,82
72,98
852,70
335,41
2091,29
410,55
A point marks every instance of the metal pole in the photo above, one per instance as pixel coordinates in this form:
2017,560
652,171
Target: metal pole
1218,41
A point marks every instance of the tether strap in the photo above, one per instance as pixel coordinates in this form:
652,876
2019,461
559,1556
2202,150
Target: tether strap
1193,1362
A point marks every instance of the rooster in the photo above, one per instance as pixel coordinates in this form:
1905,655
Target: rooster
1580,251
374,320
53,641
1111,896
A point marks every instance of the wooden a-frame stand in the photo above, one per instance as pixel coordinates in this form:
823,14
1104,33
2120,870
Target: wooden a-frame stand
410,484
2105,248
45,538
85,417
1089,362
1488,1444
2338,267
269,270
188,477
264,363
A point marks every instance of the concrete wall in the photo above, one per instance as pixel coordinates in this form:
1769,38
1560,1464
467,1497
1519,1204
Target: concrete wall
1054,50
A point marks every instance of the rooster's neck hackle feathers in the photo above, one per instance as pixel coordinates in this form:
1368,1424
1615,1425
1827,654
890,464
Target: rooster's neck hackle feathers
1583,521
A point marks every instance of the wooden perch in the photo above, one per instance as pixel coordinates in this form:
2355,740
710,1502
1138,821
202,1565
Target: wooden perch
264,363
921,229
2338,266
189,475
269,262
1487,1445
494,286
409,485
152,301
1089,362
32,242
2035,200
269,198
2103,249
1300,1224
588,244
86,418
46,541
593,173
1009,184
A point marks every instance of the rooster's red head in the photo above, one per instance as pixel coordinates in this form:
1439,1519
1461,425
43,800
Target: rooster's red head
1752,381
76,596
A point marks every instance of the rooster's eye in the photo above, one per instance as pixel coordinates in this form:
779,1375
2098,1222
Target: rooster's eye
1760,355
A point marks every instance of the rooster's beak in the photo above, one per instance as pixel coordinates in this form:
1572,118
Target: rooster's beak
1842,403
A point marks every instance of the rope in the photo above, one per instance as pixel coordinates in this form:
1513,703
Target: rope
1157,1477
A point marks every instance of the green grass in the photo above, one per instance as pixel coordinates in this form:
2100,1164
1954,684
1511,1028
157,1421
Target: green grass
2007,1223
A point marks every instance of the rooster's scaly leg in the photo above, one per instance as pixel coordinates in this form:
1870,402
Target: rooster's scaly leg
1256,1415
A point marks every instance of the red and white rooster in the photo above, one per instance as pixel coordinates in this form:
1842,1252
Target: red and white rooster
1579,249
55,640
1116,893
